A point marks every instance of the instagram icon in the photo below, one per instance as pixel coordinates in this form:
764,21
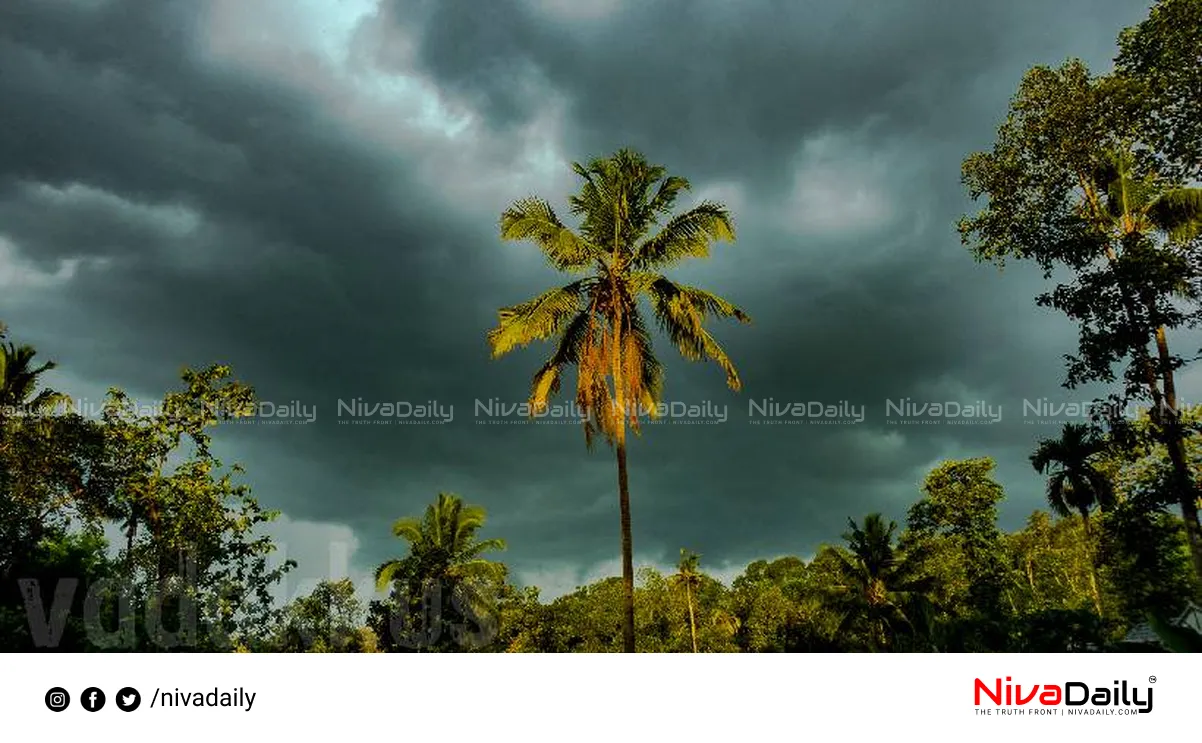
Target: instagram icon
57,699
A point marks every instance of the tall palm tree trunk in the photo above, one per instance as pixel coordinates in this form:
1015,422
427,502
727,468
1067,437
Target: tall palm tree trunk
619,398
1168,432
688,596
1093,565
1174,439
627,547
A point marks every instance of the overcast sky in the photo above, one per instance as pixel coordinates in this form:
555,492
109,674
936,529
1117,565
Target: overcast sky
308,190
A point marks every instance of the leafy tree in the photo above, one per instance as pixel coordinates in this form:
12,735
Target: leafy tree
443,589
52,474
328,620
597,320
1163,55
958,512
1145,559
201,559
1050,566
33,613
524,621
784,606
1067,186
881,591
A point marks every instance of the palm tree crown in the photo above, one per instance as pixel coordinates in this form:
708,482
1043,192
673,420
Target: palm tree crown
1137,204
883,591
1074,482
19,381
596,318
442,545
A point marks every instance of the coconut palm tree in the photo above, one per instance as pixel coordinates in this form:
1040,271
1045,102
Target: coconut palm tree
1075,483
688,577
19,379
880,590
625,240
444,555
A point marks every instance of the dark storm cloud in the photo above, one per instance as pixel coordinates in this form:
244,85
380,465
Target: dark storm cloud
721,88
217,213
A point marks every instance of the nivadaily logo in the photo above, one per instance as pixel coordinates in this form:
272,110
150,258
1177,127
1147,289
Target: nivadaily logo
1071,697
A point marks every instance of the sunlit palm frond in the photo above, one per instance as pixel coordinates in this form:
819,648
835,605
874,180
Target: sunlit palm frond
650,372
547,380
687,235
387,573
681,312
535,220
666,194
537,319
408,528
1179,213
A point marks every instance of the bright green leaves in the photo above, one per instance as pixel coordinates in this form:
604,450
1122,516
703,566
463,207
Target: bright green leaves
533,219
537,319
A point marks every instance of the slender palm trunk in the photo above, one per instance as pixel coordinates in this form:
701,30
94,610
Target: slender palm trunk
627,548
1168,431
620,414
1174,440
1093,566
623,497
688,596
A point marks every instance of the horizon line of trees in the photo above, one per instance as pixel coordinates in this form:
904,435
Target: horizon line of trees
193,574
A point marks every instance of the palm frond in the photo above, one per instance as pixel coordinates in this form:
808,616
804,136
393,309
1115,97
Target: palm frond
572,342
665,196
687,235
681,311
537,319
408,528
535,220
1179,213
387,573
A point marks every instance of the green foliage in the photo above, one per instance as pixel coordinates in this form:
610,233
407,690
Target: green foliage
1145,559
328,620
443,592
1049,566
1074,482
882,593
19,383
193,558
1163,56
62,559
1085,176
959,503
192,541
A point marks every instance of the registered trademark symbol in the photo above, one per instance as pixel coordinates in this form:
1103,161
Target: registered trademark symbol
1151,679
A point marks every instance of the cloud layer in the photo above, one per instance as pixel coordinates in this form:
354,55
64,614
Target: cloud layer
309,191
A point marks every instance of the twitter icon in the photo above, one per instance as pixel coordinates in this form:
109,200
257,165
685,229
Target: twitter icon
128,699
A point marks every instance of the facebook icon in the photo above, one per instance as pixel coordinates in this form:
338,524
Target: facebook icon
92,699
